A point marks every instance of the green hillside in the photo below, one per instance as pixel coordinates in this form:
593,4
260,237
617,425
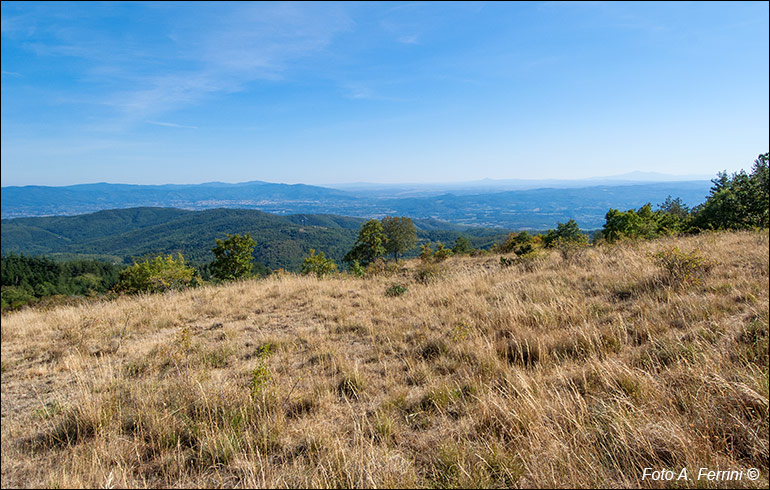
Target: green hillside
282,241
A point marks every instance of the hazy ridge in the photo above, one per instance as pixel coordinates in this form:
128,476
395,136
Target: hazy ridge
491,205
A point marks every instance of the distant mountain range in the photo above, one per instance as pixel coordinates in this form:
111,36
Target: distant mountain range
514,204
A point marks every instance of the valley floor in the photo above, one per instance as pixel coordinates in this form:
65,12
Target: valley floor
575,369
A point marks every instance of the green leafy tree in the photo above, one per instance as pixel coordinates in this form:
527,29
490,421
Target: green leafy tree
318,264
156,275
400,234
671,217
369,246
564,233
462,246
233,257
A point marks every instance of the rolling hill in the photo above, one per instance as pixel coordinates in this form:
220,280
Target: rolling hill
282,241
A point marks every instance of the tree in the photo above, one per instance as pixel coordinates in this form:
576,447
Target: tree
675,207
318,264
156,275
233,257
369,246
737,201
400,234
564,233
462,246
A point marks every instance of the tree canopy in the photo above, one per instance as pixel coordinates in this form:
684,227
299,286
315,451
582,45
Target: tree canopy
400,234
233,257
369,245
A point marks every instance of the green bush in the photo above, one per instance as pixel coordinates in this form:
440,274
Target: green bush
395,289
462,246
357,269
318,264
441,252
233,257
159,274
564,233
13,297
672,217
426,253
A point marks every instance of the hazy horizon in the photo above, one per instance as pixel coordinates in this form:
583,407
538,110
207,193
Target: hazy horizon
633,176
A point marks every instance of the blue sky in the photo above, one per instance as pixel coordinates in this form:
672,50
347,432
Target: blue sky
323,93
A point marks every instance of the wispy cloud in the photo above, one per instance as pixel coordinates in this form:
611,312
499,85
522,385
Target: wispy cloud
171,125
411,39
194,52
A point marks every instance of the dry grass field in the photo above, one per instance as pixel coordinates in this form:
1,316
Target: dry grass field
566,370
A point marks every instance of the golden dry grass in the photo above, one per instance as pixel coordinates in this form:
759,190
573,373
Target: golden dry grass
563,371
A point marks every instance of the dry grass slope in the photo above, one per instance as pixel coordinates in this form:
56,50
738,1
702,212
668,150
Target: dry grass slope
574,370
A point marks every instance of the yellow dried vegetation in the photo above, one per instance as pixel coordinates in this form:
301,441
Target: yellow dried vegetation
566,370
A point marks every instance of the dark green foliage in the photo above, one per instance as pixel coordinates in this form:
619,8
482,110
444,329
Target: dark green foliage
357,269
738,201
395,289
564,233
400,234
282,241
462,246
233,257
26,279
675,207
370,244
318,264
156,275
520,243
672,217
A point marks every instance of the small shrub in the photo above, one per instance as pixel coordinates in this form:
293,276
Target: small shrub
426,253
260,375
462,246
156,275
357,269
571,249
506,261
318,264
381,268
682,268
441,252
427,272
395,290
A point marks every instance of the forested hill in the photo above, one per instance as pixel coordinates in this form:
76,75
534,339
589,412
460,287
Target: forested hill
282,241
